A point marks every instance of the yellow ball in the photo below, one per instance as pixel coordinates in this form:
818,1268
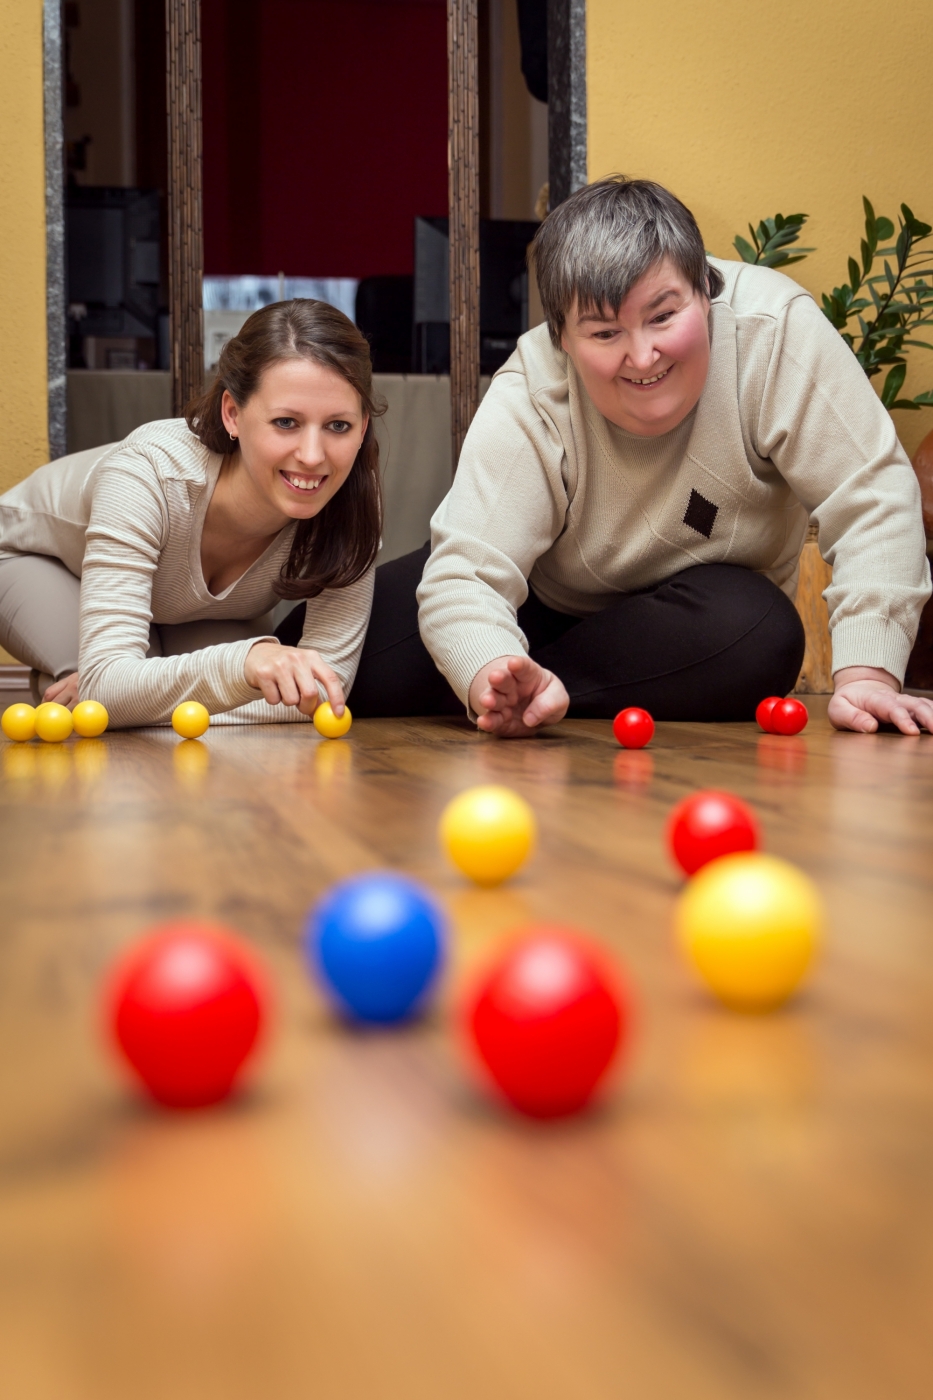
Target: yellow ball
90,719
19,722
53,722
488,832
190,719
750,925
327,723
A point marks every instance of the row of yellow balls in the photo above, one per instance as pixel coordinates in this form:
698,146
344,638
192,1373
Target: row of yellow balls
54,723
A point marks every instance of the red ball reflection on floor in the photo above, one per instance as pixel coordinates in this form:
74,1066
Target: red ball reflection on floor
633,769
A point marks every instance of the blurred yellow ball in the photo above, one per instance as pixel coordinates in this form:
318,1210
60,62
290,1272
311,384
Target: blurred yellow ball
327,723
190,719
488,833
53,722
750,925
19,722
90,719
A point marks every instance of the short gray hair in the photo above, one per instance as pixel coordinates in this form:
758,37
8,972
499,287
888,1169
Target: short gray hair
594,247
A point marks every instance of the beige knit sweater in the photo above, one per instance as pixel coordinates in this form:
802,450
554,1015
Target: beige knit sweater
127,520
549,494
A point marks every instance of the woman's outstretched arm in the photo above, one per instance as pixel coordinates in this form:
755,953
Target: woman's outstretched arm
126,535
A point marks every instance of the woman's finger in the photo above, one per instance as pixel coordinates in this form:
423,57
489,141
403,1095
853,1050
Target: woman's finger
844,715
921,709
319,670
287,684
269,690
901,716
331,683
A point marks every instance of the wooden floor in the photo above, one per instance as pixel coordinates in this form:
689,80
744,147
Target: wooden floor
750,1215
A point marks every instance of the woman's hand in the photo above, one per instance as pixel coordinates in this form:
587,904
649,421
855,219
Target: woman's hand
513,696
63,692
290,675
866,696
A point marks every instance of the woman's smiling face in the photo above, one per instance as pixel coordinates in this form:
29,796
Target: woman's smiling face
644,367
298,434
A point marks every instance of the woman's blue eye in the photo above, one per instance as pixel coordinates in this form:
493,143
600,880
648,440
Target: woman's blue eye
283,422
340,426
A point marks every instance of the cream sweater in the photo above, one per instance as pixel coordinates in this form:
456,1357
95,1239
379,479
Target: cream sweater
126,519
549,494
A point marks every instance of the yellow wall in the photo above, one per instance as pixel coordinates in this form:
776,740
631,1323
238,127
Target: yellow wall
744,110
23,389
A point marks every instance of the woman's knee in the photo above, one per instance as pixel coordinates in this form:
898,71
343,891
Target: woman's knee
760,642
40,603
776,646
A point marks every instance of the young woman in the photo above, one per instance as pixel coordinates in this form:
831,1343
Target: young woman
143,574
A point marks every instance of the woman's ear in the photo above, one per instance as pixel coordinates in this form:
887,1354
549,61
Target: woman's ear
230,414
365,426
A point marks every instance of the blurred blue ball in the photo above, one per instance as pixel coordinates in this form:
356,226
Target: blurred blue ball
377,941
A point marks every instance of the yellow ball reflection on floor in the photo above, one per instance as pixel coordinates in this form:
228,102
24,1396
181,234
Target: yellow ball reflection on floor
190,719
90,719
488,833
191,760
750,925
327,723
53,722
19,722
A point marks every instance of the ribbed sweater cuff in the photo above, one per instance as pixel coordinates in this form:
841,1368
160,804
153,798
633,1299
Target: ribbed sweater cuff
476,650
869,640
238,691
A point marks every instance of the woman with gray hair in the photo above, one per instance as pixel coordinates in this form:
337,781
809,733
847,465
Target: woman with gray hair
633,495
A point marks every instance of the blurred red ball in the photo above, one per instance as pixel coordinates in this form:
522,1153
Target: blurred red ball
547,1020
764,712
633,728
789,717
186,1006
707,825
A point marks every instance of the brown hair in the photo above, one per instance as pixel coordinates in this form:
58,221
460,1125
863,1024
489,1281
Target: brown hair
335,547
594,247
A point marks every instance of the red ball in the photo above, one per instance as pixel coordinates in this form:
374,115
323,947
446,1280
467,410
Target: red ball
707,825
186,1006
547,1019
789,717
764,711
633,728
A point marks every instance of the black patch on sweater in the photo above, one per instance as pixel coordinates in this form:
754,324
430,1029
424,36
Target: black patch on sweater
700,514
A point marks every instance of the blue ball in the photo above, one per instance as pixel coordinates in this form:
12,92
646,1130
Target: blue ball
377,941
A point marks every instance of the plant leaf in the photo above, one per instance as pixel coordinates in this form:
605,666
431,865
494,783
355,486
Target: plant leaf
894,382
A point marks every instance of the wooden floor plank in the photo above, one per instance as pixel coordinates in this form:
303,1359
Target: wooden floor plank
748,1215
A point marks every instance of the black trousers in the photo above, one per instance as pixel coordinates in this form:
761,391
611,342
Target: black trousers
707,644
